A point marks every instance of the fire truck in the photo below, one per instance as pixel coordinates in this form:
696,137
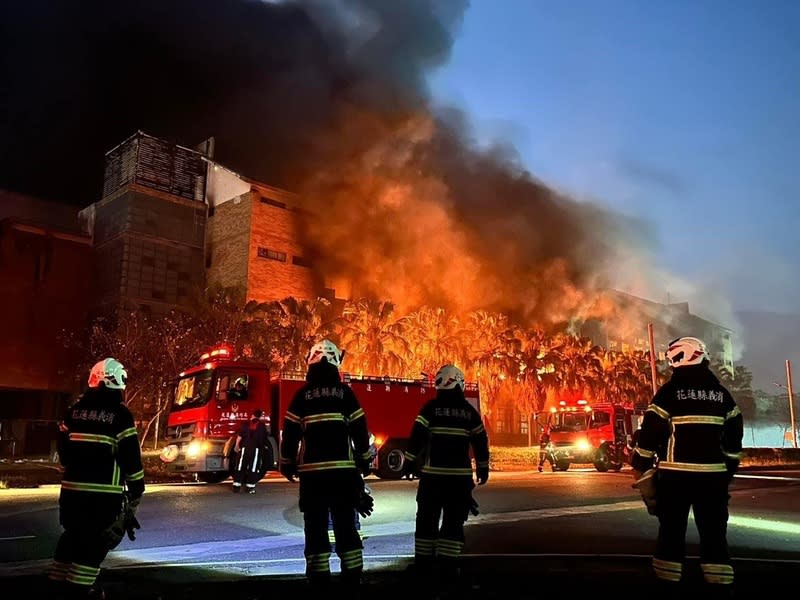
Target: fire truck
600,434
208,409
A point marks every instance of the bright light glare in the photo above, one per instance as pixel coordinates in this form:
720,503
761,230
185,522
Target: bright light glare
765,525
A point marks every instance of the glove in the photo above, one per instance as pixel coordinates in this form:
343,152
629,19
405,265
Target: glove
366,504
410,470
646,485
125,523
289,470
365,466
131,523
482,473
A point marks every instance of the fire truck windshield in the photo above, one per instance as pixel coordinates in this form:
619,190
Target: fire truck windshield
569,421
192,391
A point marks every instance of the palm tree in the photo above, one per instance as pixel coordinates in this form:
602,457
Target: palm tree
372,338
297,325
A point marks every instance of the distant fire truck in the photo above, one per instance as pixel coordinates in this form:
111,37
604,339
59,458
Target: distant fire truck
207,411
599,434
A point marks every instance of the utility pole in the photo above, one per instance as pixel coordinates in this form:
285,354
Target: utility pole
791,402
650,337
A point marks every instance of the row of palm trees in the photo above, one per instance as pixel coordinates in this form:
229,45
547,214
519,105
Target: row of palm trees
519,367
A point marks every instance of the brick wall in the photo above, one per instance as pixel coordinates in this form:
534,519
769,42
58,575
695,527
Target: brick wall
275,257
228,242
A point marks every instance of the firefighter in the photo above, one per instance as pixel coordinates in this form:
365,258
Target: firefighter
545,452
686,455
325,443
445,430
102,484
249,447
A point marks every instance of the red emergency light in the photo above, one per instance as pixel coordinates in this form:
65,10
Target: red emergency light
221,352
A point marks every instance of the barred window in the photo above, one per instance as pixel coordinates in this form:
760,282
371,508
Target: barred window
271,254
301,261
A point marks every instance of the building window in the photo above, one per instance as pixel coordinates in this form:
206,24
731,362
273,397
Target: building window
523,424
301,261
271,254
272,202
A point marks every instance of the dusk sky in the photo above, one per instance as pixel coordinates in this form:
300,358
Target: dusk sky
685,113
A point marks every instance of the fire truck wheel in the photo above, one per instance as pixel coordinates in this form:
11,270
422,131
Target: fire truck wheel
562,465
390,461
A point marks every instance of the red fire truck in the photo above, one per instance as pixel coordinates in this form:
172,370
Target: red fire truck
207,411
599,434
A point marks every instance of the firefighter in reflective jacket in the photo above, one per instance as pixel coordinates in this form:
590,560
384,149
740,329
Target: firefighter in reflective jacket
445,430
326,444
688,450
103,478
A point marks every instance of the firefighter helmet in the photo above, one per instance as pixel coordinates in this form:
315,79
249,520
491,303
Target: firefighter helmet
686,351
448,377
110,373
325,349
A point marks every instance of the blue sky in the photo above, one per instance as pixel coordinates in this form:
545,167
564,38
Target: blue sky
684,113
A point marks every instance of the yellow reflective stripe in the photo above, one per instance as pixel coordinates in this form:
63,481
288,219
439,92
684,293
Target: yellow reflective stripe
693,467
644,453
446,470
734,455
478,430
135,476
482,463
319,563
450,431
356,415
292,417
352,559
717,573
667,570
733,413
449,548
424,547
657,410
323,417
79,486
422,421
410,456
93,437
116,477
130,432
698,420
331,464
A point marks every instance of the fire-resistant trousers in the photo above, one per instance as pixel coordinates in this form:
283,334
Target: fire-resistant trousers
248,468
442,509
334,496
706,495
76,562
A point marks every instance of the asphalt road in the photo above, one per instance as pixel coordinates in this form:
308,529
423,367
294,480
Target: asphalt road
589,527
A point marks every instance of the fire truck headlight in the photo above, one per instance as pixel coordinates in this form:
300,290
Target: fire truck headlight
194,449
583,445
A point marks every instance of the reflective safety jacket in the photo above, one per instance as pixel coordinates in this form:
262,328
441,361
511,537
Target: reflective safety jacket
445,430
692,424
99,449
325,429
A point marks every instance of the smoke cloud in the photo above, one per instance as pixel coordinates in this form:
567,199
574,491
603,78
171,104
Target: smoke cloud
327,99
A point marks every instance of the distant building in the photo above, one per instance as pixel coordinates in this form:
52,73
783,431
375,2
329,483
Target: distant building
149,229
624,327
45,267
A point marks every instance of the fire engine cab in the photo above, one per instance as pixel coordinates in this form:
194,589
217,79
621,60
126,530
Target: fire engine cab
599,434
217,395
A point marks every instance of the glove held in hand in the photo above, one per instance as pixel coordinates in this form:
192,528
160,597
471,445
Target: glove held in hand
646,485
366,504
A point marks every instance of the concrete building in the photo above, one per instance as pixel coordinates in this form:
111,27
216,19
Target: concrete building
148,230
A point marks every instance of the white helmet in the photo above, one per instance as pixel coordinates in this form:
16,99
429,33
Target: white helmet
686,351
110,372
325,349
448,377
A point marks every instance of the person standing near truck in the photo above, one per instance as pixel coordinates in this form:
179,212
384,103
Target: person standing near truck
249,447
545,452
325,443
444,433
687,452
102,484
